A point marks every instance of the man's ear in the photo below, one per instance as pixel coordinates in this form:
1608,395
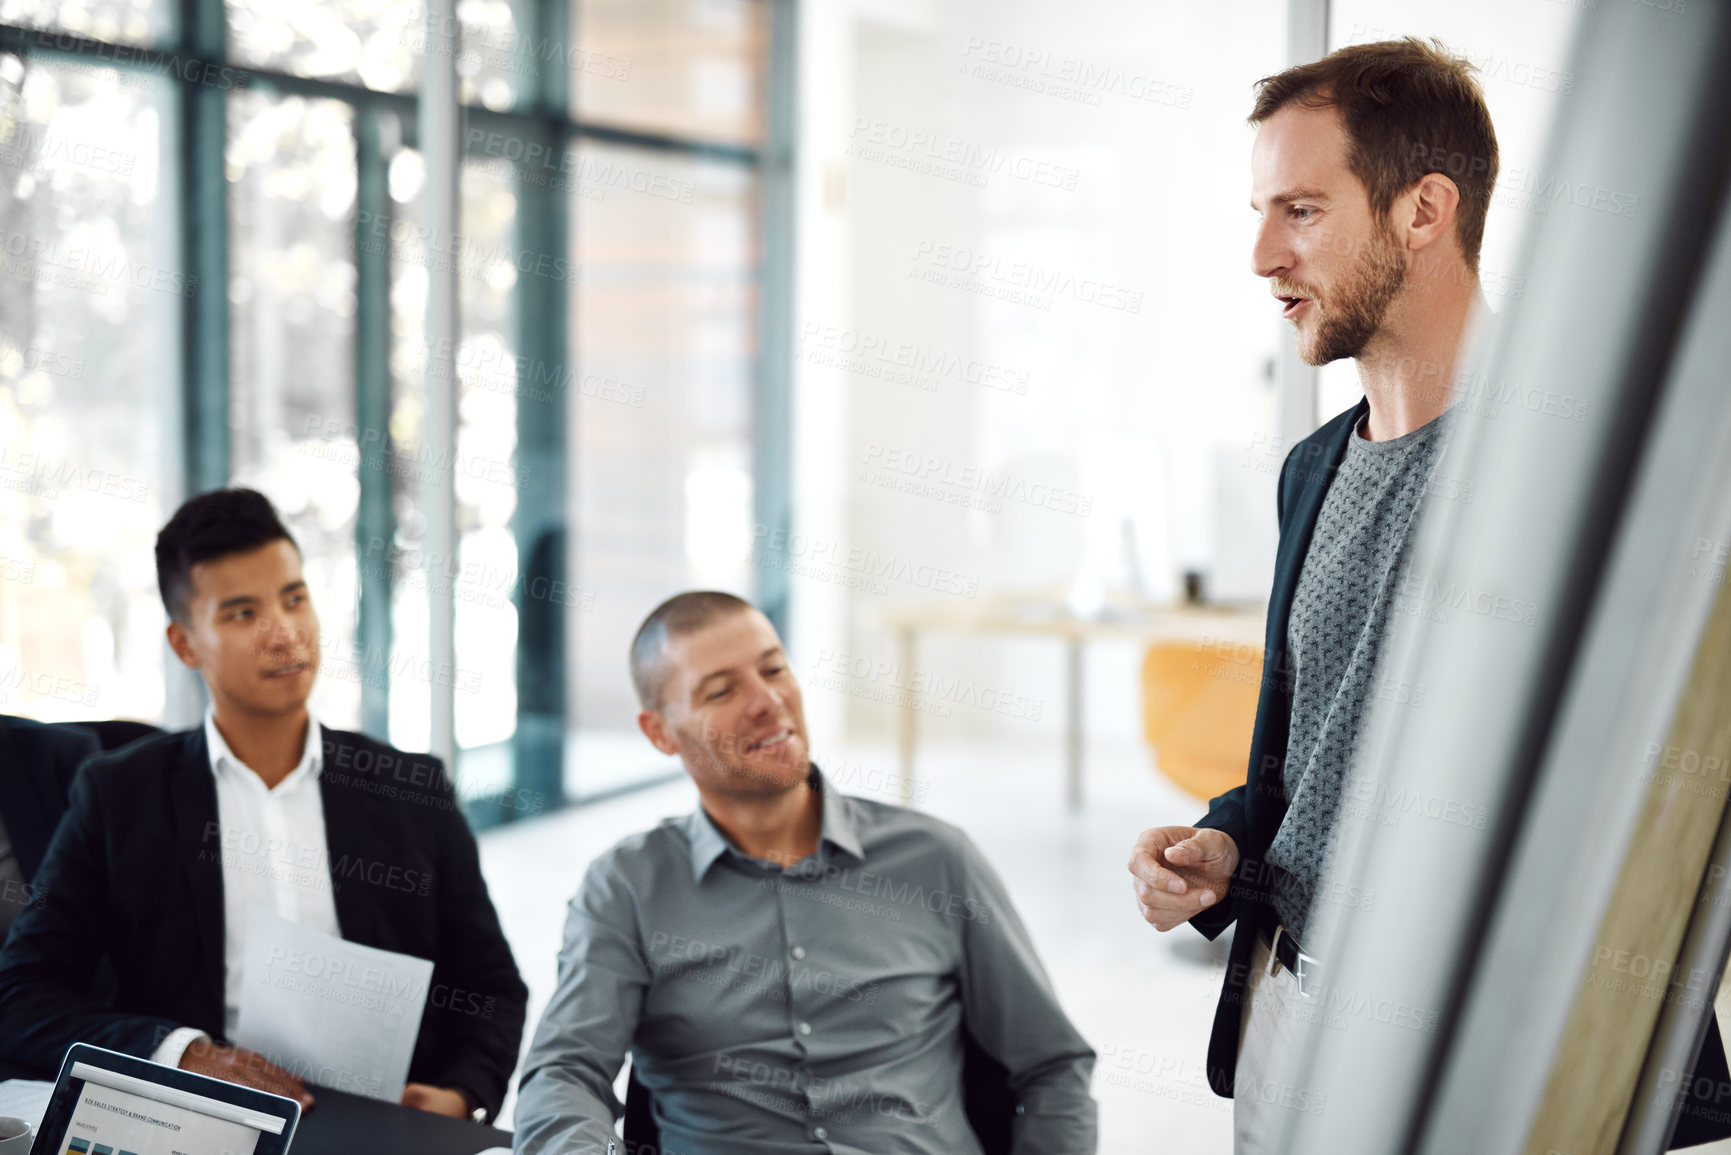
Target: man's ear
181,644
1435,205
655,728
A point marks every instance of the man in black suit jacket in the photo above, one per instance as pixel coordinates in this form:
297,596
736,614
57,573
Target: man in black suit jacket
1373,169
37,763
165,842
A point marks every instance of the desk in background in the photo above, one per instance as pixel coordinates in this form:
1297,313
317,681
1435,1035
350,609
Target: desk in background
1045,615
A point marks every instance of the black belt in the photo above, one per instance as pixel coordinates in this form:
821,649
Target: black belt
1290,955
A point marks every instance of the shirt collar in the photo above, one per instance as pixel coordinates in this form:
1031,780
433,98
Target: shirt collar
707,843
839,829
312,752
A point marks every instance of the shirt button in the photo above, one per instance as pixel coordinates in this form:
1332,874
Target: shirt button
805,1029
799,952
821,1133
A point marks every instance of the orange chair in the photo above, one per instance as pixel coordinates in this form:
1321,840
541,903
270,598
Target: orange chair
1198,709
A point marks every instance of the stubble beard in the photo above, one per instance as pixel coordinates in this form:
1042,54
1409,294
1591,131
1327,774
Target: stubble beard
1358,306
727,767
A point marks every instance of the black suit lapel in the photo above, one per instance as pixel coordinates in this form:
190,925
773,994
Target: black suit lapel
1307,481
1310,480
192,789
346,842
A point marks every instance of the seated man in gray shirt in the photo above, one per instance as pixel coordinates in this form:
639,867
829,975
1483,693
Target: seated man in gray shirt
791,968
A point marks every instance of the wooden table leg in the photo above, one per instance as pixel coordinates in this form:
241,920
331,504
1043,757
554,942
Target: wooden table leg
1073,725
905,732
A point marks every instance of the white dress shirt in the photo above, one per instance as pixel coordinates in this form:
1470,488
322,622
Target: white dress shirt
274,855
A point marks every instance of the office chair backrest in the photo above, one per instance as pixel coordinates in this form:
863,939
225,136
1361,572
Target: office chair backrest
113,733
987,1100
56,779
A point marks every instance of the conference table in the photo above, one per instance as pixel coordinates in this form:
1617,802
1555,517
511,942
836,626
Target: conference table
345,1124
338,1124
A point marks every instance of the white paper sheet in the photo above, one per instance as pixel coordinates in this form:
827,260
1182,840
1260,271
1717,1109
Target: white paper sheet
336,1013
25,1099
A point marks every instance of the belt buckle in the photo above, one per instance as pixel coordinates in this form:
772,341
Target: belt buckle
1298,975
1304,960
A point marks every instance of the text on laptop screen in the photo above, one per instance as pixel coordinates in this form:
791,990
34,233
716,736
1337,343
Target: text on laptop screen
111,1121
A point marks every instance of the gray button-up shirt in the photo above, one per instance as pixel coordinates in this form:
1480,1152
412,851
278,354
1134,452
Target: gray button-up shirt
807,1009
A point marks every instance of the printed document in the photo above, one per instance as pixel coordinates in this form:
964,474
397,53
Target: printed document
336,1013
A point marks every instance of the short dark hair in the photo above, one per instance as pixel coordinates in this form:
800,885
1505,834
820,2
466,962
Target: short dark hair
211,525
1410,109
679,615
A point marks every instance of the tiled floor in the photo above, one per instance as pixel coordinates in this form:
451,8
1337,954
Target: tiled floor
1143,999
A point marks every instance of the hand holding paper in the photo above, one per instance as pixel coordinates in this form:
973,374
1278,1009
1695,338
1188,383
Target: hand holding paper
336,1013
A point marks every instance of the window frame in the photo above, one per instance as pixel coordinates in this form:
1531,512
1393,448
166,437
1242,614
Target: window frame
194,58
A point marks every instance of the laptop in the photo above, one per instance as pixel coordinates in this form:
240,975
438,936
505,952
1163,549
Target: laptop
105,1103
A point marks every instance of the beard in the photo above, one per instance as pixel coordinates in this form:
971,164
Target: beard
1352,313
720,760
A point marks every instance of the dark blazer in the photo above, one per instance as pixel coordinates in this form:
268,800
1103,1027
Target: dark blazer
134,874
1252,813
37,763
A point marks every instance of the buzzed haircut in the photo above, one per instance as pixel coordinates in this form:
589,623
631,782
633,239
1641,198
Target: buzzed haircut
1410,109
209,526
676,617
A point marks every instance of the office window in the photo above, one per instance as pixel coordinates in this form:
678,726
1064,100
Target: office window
116,21
89,301
692,68
486,446
299,365
664,335
406,555
377,43
496,60
483,574
291,171
370,42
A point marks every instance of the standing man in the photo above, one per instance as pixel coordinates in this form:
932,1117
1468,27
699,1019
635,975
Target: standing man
1372,171
167,842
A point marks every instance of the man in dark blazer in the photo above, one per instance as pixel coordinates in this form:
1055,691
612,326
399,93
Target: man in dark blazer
168,842
37,763
1372,170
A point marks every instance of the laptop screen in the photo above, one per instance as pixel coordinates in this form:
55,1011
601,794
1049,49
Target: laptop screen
149,1110
113,1118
